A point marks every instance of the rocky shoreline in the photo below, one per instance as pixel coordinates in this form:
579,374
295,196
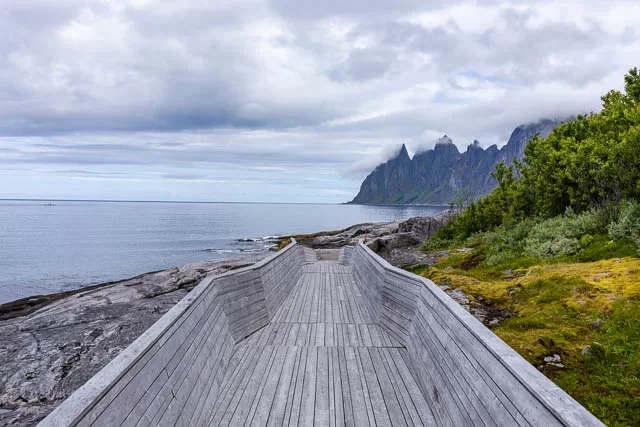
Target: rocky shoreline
50,345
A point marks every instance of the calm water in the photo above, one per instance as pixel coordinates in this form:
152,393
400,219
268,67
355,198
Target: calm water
45,249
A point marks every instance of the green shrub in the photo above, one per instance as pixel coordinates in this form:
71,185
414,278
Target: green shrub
585,241
602,247
560,236
628,225
506,244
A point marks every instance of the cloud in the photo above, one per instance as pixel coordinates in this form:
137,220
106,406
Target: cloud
275,91
363,64
315,10
362,167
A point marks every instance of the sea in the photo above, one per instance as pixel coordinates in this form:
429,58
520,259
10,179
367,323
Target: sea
53,246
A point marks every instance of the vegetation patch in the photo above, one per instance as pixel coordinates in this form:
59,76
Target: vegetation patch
586,313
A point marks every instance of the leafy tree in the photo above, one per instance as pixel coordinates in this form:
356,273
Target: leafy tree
592,161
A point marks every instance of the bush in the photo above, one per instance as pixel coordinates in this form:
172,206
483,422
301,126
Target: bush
628,225
560,236
506,243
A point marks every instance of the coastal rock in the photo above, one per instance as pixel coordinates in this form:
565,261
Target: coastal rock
50,348
380,237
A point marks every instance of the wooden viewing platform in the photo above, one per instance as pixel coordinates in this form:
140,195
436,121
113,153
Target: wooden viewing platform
295,340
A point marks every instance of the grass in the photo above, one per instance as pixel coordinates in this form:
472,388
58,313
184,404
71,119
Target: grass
559,306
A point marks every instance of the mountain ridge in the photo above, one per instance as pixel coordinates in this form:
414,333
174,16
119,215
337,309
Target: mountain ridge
443,174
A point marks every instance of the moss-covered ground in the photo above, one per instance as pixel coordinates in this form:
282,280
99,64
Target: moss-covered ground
562,306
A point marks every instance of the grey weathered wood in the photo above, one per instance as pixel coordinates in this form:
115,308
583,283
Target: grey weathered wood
297,341
277,411
356,390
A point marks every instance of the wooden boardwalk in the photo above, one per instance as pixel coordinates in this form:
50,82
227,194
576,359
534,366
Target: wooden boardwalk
319,339
321,361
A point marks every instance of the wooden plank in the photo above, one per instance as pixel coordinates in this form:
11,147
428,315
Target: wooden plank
231,394
286,383
260,416
322,406
396,383
365,335
376,402
345,387
249,390
320,334
329,339
295,395
292,335
311,338
302,338
309,388
356,390
337,398
391,400
340,335
376,340
351,338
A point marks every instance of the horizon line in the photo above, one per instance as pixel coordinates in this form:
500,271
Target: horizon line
161,201
212,202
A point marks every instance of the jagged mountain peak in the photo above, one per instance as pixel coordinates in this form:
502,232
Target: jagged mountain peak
403,153
445,140
443,174
475,144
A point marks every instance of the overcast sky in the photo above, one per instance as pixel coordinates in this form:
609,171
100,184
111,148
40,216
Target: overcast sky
282,100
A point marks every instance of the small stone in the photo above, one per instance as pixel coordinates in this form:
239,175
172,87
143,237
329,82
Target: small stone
508,272
555,358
